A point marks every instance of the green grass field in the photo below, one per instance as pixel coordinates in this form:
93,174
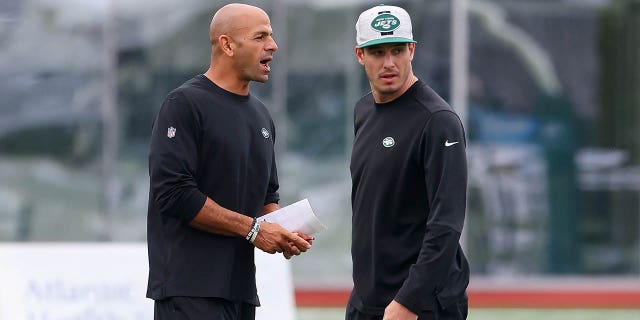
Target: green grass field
500,314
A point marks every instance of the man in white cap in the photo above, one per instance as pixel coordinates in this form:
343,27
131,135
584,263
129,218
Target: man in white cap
409,175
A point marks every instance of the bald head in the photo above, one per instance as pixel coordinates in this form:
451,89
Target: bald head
231,18
242,47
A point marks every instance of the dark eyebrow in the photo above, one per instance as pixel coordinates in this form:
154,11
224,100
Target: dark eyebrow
391,46
262,33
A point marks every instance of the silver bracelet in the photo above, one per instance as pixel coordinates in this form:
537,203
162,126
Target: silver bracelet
255,232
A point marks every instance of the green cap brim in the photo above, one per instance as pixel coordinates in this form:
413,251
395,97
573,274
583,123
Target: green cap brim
386,40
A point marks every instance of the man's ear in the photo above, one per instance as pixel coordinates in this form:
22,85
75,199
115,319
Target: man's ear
226,44
412,50
360,55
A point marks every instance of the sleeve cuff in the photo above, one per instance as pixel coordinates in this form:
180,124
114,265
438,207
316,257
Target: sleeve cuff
272,198
417,307
193,204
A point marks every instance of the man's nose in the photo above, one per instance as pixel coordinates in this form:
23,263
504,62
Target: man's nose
388,60
272,45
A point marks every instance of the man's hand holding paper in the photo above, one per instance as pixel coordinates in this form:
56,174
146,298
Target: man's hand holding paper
298,218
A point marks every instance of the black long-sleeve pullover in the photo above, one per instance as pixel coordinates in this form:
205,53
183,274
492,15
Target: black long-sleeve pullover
206,142
409,175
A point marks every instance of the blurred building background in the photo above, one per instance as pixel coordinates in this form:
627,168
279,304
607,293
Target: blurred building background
553,119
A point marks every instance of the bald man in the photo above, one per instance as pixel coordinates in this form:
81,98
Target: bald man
212,172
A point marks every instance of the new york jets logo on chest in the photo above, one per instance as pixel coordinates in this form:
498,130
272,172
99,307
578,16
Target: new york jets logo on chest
265,133
388,142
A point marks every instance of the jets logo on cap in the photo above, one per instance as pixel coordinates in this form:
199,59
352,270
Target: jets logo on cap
385,23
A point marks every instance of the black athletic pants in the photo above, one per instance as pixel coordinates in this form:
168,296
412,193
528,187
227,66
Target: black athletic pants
193,308
457,311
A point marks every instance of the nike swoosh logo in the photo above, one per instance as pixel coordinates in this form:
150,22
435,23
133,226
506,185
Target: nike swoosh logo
449,144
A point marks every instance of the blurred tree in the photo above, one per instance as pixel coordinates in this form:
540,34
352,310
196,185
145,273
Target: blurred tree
620,77
619,115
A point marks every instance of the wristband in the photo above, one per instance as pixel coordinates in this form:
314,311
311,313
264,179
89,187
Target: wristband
253,233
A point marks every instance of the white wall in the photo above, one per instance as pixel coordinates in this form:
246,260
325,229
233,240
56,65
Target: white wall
100,281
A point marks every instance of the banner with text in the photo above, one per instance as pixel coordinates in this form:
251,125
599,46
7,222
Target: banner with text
96,281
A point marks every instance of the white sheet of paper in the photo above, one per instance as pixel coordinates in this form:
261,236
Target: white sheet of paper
296,217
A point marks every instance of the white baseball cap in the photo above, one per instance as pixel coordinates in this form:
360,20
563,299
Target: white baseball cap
383,24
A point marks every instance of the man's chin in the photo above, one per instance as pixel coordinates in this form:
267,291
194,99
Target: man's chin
388,89
262,79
